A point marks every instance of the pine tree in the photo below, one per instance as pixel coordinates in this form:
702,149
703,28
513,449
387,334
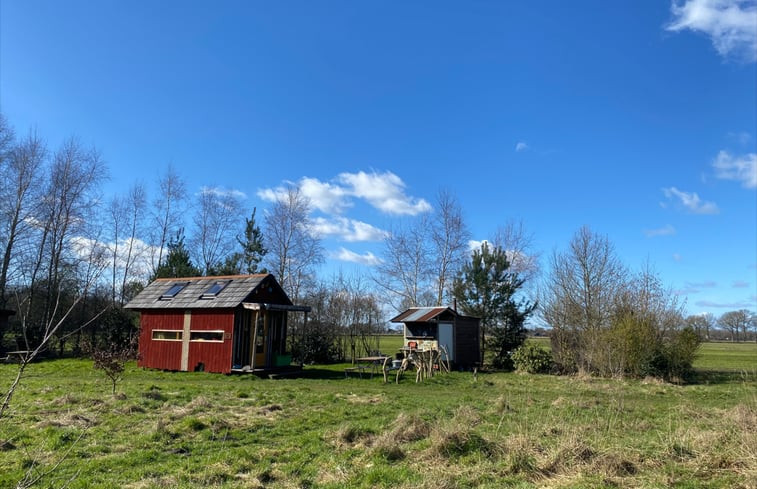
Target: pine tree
252,246
178,262
486,288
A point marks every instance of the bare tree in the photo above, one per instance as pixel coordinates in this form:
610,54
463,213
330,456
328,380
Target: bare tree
116,209
518,243
68,212
579,296
136,207
405,270
21,173
216,218
127,221
449,240
737,323
293,249
702,324
167,214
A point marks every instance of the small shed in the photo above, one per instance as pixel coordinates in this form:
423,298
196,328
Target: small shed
215,324
432,327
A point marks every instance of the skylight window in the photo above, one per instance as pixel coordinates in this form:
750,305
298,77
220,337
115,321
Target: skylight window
173,290
215,289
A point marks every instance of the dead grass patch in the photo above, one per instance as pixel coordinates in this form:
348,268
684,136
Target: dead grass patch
356,399
67,399
270,409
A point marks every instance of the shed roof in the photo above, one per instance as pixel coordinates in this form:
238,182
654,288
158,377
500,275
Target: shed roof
421,314
197,294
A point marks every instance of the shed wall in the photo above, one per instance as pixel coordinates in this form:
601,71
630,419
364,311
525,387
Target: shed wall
215,357
467,341
164,355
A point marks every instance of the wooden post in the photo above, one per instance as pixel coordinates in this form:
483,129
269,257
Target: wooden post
254,341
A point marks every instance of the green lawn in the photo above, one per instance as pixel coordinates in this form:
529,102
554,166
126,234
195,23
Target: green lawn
208,430
712,356
727,356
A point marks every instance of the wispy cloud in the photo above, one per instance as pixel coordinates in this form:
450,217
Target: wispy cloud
740,168
346,229
739,284
726,305
223,192
677,257
667,230
366,258
521,146
730,24
741,137
707,284
384,191
696,287
691,201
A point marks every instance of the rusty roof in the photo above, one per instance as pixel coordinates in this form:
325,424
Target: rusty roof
196,293
421,314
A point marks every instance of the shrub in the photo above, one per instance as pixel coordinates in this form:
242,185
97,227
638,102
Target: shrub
532,359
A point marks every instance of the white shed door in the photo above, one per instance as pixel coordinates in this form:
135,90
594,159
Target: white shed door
447,339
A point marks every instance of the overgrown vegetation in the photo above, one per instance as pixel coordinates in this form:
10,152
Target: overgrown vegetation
204,430
532,359
609,322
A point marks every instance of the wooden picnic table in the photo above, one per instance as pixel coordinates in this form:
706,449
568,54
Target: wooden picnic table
20,354
375,363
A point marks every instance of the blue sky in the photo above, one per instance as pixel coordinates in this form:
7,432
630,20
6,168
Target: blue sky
636,118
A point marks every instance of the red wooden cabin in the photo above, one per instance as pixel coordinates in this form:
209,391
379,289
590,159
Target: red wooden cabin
214,324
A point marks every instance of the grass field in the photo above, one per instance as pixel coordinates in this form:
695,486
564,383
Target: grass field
323,430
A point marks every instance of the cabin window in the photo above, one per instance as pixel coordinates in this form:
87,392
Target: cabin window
167,334
173,290
216,336
215,289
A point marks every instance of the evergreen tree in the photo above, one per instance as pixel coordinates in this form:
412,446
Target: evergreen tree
178,262
252,246
486,288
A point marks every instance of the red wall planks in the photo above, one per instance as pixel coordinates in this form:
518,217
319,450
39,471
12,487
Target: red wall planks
215,357
160,354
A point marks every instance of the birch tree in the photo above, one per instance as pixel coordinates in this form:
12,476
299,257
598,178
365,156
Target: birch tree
167,211
449,243
294,251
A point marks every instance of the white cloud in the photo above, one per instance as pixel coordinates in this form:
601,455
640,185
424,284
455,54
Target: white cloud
691,201
324,196
677,257
366,258
345,229
667,230
730,24
384,191
739,284
742,168
521,146
475,244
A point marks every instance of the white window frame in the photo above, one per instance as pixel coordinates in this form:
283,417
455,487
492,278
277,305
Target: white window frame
179,332
220,331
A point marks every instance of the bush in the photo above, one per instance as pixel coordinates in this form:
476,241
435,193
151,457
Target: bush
532,359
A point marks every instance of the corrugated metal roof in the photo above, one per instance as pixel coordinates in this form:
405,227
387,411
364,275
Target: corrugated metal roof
420,314
238,288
